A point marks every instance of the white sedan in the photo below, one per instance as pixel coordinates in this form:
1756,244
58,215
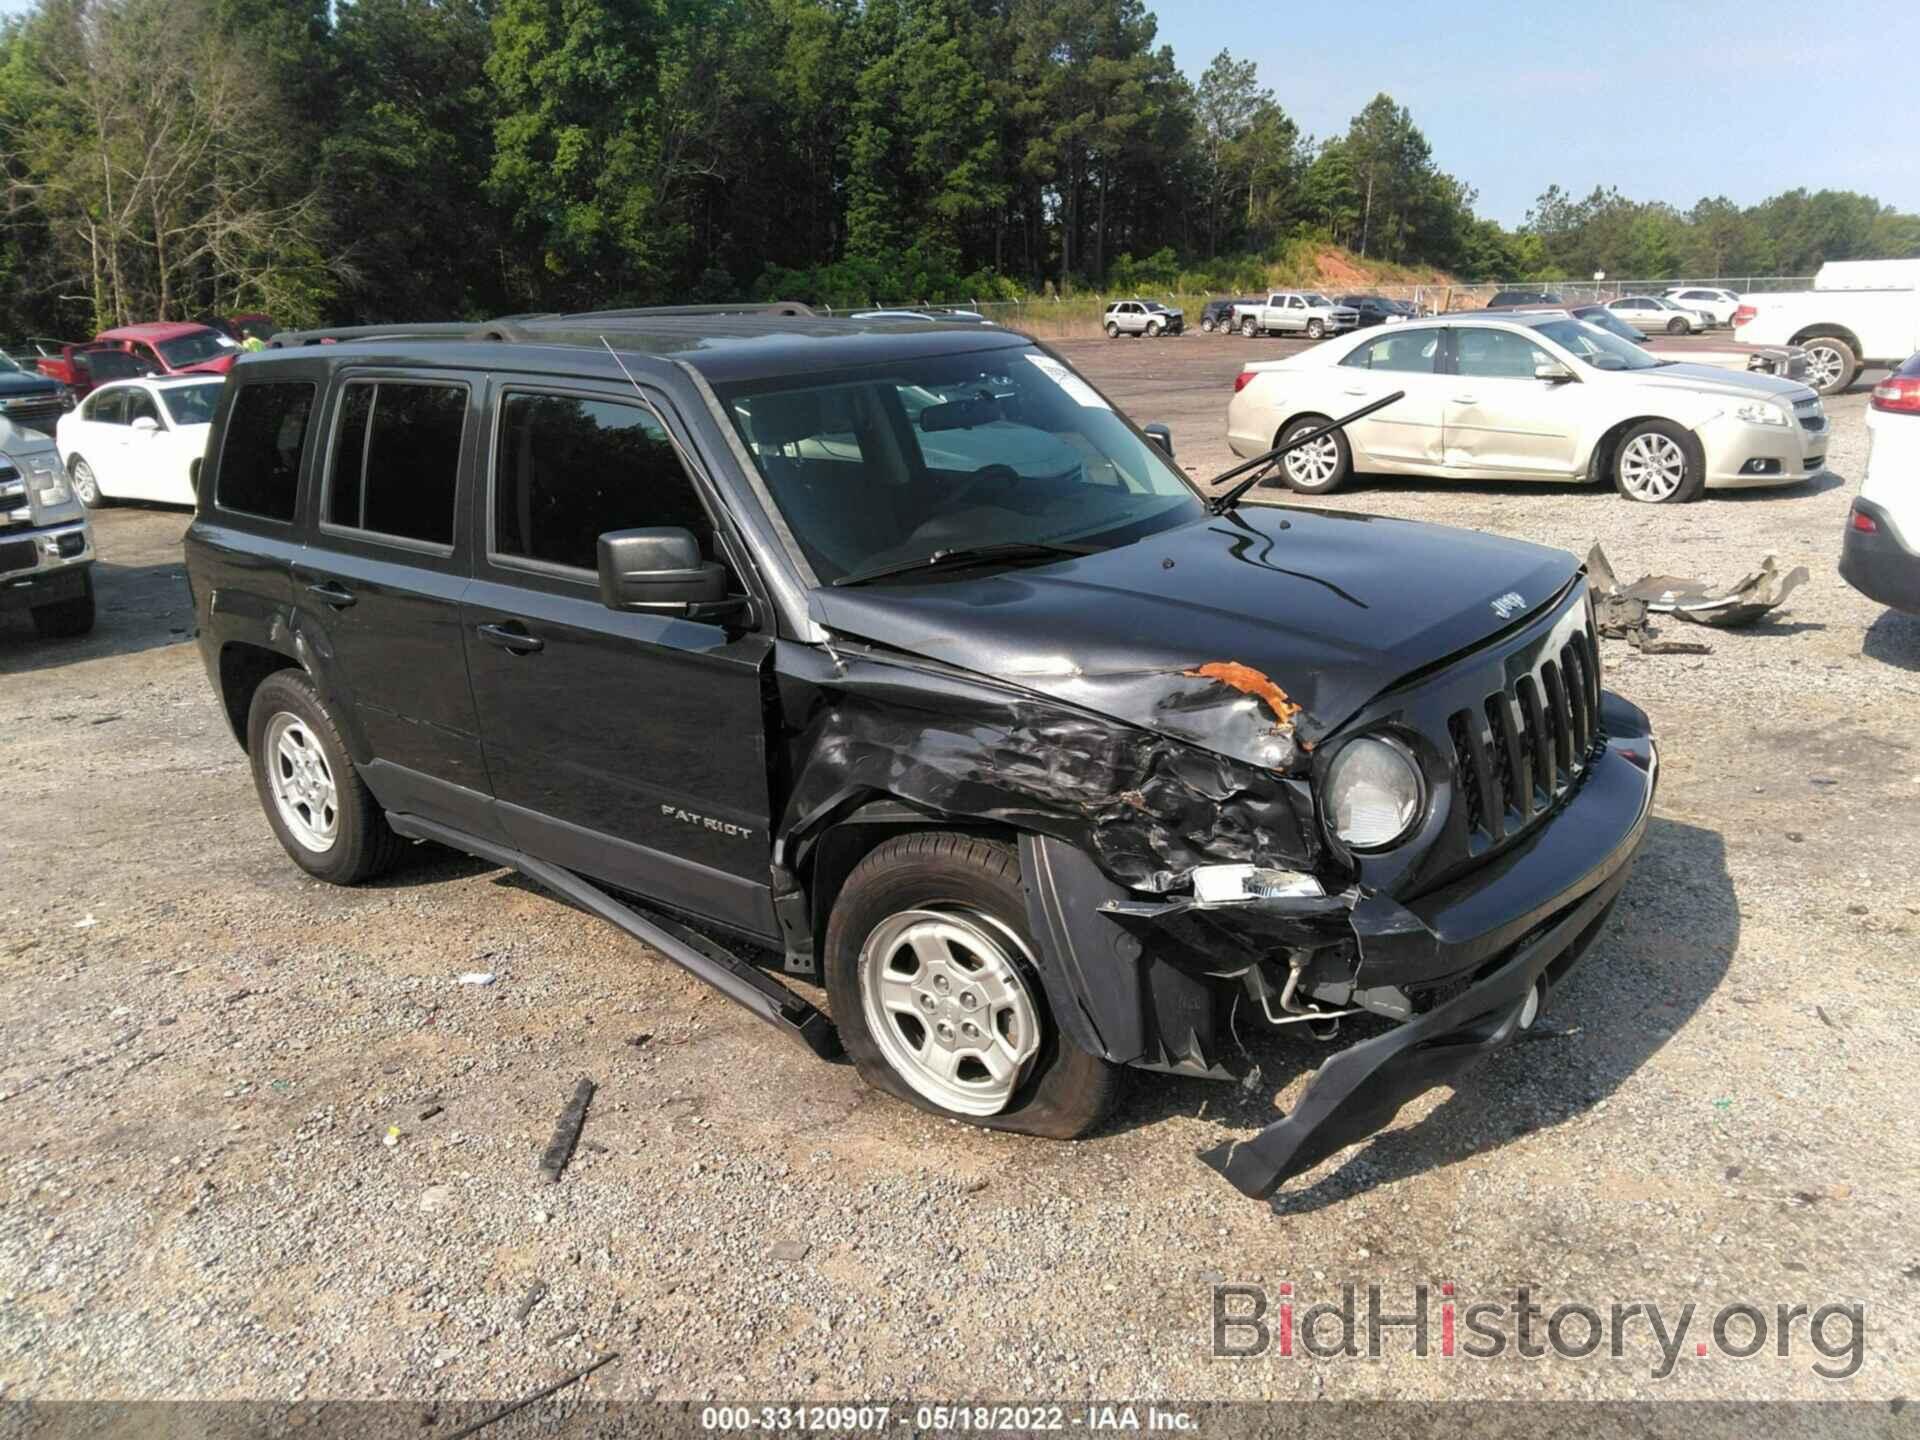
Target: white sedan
1527,396
139,439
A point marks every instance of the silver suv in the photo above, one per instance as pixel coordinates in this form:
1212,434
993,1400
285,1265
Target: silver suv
1143,317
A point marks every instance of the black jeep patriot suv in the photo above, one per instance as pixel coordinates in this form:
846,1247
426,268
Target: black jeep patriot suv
891,656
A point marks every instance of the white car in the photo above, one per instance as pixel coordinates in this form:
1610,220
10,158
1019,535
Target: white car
1654,313
1860,313
1527,396
1716,305
139,439
1880,556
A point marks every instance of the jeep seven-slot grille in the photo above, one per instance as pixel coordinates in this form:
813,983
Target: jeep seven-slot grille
1521,751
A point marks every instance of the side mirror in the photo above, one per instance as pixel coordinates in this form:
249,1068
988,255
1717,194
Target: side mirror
659,571
146,424
1160,435
1552,371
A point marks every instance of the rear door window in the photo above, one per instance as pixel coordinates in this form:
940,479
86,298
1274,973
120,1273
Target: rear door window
396,459
1407,351
260,457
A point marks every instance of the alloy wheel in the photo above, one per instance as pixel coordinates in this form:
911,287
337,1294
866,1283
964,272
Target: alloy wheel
84,484
1313,465
301,782
1652,467
1824,366
948,1004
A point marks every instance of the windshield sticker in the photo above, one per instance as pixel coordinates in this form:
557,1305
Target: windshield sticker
1083,394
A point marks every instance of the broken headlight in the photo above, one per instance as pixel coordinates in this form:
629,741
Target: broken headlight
1374,794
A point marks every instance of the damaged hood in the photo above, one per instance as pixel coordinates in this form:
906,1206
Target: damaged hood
1244,633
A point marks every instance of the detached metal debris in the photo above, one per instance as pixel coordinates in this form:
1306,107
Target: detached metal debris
1621,611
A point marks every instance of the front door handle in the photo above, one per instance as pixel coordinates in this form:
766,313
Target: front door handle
1355,390
329,593
1466,399
512,638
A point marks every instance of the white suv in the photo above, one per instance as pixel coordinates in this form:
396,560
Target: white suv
1717,304
1143,317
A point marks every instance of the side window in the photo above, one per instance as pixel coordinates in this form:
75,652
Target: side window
1294,302
1408,352
140,406
260,457
1496,354
396,459
108,408
568,469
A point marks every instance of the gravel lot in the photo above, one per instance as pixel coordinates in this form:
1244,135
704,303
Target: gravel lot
203,1054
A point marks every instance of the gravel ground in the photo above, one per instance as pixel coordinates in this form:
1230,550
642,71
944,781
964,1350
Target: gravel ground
204,1057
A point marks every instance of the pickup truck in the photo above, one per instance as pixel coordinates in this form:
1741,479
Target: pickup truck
1859,313
1294,312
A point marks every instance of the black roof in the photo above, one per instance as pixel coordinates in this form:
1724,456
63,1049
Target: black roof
723,344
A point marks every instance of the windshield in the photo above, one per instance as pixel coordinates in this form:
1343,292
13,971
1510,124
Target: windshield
193,349
192,404
1593,346
899,462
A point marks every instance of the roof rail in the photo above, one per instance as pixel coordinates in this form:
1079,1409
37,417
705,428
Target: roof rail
507,327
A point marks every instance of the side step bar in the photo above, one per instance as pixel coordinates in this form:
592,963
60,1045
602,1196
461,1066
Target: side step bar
691,951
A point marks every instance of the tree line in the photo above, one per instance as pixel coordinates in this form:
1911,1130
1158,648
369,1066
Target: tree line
374,160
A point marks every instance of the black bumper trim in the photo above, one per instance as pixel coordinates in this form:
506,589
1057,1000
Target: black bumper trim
1360,1090
1878,564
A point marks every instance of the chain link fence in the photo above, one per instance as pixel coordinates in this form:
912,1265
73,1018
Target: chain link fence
1075,317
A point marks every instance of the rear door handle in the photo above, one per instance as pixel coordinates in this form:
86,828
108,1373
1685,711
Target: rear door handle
512,638
1355,390
1466,399
328,593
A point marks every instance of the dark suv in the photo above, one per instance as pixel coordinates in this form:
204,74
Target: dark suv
895,658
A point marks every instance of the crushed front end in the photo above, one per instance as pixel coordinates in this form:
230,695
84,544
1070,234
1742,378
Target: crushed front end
1535,788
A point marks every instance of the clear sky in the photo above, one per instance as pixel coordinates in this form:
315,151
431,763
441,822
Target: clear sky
1667,99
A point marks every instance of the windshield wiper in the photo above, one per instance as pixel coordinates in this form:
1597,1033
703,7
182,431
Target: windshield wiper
1220,504
969,555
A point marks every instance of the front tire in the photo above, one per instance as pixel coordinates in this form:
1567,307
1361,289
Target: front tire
1658,463
1320,467
1315,330
320,809
1831,364
1677,326
932,981
65,619
86,485
1154,327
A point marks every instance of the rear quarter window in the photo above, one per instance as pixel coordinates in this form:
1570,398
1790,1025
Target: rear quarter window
260,456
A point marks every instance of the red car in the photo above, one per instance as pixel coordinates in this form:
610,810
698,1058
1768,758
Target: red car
173,347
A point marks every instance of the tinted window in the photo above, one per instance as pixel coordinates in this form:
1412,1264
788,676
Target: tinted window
108,407
191,404
260,458
140,406
1404,350
1498,354
396,459
568,470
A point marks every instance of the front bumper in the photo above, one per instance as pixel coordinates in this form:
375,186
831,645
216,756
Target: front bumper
1741,455
1878,563
40,567
1129,978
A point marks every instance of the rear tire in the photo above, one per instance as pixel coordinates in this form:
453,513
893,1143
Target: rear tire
1658,463
1831,364
64,619
1323,467
320,809
1206,327
953,895
1113,331
1249,329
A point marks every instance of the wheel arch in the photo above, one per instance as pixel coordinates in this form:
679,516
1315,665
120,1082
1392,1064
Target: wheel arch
1600,463
244,666
1830,330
